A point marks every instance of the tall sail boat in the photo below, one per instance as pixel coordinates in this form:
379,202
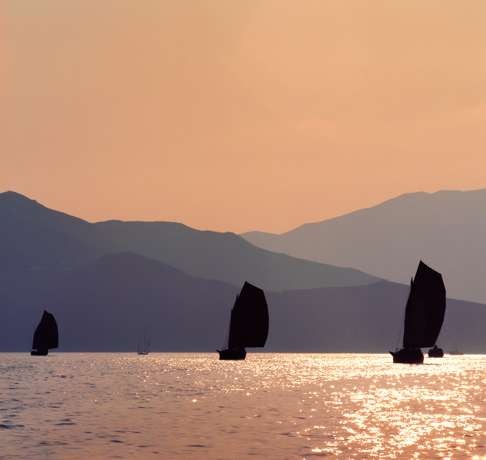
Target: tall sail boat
143,348
424,315
46,335
249,323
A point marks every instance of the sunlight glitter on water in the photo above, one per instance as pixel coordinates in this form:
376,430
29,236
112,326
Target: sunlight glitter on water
269,406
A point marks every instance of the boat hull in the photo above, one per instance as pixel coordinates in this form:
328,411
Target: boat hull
436,352
232,354
39,352
408,356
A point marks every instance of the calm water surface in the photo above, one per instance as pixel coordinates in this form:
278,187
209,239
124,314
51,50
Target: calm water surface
90,405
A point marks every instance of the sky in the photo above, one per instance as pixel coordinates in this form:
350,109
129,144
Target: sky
239,115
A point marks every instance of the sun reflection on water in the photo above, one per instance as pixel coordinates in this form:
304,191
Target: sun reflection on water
270,406
405,411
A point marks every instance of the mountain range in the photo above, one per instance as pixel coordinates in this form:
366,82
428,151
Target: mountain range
34,238
446,229
110,283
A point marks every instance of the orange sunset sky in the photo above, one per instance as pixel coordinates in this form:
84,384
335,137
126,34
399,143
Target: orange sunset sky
239,115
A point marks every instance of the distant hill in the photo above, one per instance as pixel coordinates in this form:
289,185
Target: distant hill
446,229
224,256
108,304
34,238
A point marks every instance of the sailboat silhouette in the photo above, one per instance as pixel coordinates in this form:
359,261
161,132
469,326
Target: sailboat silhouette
143,347
249,323
46,335
436,352
424,315
455,351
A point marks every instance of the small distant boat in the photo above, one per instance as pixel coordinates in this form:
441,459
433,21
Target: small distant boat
249,323
436,352
46,335
455,352
424,315
143,348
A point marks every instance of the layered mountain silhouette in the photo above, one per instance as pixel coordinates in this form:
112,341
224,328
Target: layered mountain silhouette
106,304
447,229
107,283
34,238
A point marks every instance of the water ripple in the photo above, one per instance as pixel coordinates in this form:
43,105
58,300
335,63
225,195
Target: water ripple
85,405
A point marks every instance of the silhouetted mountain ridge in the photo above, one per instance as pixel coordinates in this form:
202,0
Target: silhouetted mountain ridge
447,229
35,237
104,290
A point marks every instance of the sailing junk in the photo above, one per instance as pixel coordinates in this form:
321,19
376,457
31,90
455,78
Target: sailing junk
249,323
144,348
46,335
436,352
424,315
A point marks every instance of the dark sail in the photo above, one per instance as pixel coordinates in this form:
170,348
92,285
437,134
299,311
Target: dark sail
249,319
424,313
46,335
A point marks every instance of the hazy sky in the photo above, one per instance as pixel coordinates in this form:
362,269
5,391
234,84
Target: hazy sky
238,115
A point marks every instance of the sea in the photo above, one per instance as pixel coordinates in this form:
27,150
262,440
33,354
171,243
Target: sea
271,406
